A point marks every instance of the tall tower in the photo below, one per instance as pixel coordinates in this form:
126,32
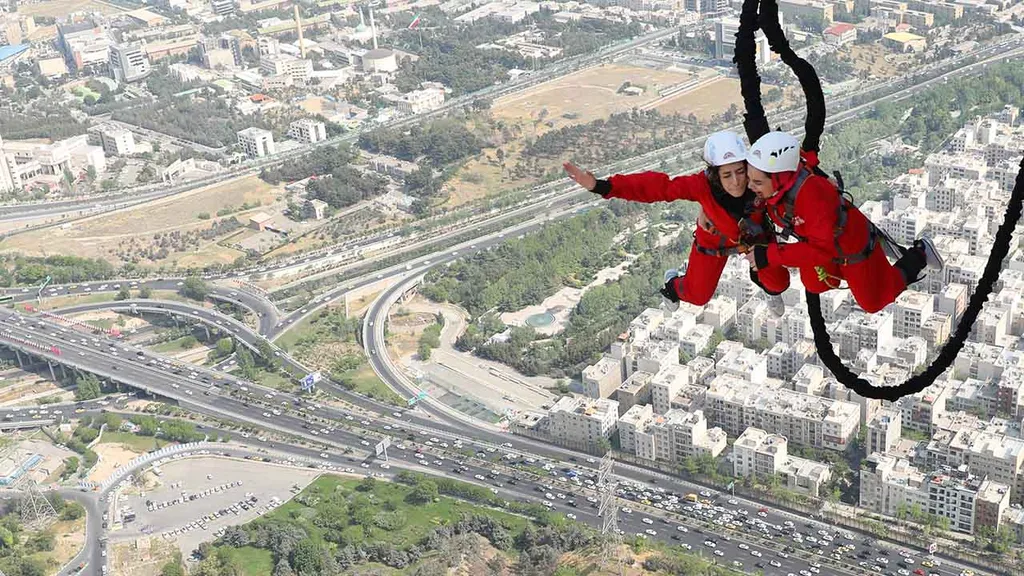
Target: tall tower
608,510
36,510
298,26
373,28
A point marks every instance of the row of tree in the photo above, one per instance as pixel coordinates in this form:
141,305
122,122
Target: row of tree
437,143
525,272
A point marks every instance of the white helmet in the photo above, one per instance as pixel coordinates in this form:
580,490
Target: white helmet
723,148
775,152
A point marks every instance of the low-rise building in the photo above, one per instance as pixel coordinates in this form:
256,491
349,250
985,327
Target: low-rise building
256,142
308,131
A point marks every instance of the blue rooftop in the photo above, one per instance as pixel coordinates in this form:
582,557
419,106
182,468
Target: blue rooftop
11,51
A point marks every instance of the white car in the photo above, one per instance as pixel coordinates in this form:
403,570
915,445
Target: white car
647,521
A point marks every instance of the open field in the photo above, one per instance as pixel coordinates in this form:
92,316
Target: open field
60,8
706,101
101,236
586,96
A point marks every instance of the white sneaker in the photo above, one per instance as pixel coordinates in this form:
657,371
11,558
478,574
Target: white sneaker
776,305
931,255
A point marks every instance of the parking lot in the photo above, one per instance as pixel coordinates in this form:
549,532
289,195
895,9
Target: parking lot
197,497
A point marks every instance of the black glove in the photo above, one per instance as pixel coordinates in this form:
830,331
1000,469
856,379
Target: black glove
603,187
671,289
761,257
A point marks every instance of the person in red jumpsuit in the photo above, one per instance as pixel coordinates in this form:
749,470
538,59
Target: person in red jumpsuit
722,192
835,241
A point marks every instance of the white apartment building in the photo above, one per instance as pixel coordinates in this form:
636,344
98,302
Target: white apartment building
720,313
256,142
679,434
810,379
418,101
634,390
743,363
735,404
884,430
600,380
129,62
117,141
583,421
636,419
758,453
298,69
860,331
696,340
910,311
307,130
666,384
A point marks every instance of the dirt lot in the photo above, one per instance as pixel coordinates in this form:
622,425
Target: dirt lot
99,236
59,8
706,101
111,456
872,58
194,475
588,94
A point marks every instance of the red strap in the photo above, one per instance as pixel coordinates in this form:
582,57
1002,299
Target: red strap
810,158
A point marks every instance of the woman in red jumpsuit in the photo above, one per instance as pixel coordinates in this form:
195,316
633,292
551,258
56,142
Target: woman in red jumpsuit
835,241
722,193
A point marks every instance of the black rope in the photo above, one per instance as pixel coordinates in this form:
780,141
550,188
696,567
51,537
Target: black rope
815,123
754,121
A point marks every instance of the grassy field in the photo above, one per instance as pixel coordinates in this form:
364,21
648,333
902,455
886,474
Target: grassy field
367,382
252,561
419,519
52,303
172,346
101,236
133,441
61,8
276,381
304,327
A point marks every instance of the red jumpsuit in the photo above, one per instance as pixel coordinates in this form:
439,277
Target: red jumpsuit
874,282
704,270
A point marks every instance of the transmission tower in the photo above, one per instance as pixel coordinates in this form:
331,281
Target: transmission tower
36,510
608,510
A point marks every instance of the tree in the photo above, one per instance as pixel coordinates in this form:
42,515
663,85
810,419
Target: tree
367,484
424,491
88,387
224,347
70,466
195,288
172,568
423,351
145,292
73,511
123,294
307,558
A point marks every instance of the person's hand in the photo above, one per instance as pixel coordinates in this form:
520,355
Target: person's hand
750,258
703,222
585,179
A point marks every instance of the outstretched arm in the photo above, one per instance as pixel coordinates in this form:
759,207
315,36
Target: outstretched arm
642,186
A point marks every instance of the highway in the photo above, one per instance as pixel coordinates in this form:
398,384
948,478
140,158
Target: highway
223,396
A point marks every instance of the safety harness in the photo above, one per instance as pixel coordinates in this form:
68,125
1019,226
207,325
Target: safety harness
788,202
